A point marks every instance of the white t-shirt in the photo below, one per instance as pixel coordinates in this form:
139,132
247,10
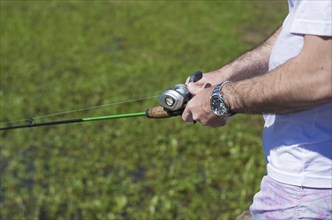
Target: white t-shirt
298,146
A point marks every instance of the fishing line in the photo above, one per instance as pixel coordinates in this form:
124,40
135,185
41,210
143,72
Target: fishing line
77,110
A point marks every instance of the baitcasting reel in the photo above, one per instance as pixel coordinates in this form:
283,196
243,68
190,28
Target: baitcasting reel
177,97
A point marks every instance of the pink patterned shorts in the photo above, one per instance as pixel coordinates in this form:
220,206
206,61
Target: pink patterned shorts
280,201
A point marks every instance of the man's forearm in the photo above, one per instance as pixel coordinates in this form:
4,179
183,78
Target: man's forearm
251,63
248,65
297,85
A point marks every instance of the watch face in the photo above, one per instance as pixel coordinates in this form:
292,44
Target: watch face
217,106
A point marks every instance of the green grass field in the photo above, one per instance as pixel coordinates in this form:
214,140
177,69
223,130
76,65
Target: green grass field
62,55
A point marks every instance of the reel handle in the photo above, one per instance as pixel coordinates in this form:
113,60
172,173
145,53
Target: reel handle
195,76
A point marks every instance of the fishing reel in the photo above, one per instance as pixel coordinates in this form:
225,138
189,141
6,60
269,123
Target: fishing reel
176,98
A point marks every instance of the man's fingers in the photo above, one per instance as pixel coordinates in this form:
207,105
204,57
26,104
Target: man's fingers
194,88
187,116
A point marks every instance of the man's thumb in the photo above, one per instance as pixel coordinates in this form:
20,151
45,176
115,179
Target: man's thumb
195,88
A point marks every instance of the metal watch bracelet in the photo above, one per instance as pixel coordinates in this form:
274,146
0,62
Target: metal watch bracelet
230,112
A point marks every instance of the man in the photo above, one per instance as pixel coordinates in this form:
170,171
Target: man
289,79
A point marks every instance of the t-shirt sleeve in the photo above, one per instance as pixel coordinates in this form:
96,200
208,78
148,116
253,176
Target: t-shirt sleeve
313,17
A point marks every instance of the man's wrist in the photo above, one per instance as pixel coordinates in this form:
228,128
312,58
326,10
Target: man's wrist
217,101
225,91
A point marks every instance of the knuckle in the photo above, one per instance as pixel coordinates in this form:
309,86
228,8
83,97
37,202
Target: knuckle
186,116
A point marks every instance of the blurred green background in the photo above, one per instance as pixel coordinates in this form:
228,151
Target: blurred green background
63,55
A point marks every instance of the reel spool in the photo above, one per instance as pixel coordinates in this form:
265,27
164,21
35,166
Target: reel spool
177,97
174,98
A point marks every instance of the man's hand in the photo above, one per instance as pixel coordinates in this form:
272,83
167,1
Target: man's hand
198,108
208,79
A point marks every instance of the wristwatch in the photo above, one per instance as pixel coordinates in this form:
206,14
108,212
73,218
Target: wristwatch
217,103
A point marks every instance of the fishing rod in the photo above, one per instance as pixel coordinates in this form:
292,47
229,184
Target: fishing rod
156,112
172,103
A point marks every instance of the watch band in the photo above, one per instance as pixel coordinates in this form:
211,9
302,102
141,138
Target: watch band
218,89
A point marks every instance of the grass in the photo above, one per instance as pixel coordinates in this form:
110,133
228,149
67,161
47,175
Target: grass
63,55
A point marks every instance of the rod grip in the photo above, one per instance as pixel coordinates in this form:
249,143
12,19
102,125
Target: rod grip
160,112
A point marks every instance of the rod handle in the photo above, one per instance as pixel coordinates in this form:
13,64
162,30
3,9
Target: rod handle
160,112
